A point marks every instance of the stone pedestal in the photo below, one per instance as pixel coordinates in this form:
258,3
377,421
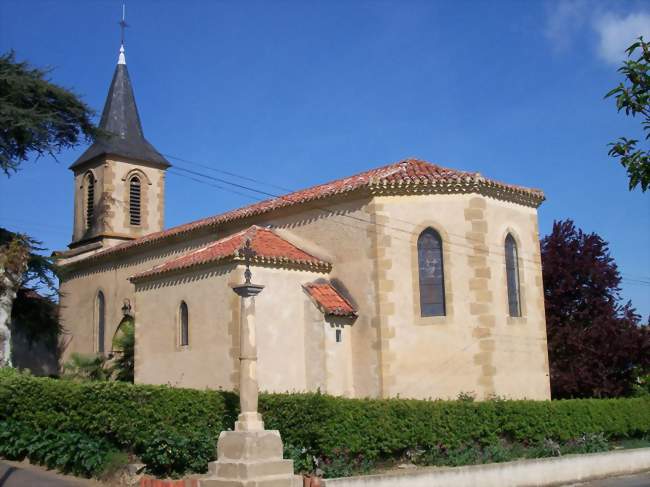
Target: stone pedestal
250,456
250,459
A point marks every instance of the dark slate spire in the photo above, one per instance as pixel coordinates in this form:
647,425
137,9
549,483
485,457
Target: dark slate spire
121,121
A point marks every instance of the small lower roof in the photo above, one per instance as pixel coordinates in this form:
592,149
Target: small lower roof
269,248
329,300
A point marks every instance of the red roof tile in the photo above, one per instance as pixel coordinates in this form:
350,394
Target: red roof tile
409,173
329,300
269,248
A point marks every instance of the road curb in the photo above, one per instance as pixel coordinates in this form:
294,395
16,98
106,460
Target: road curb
522,473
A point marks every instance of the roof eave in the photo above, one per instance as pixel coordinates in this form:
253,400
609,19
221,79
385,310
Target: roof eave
79,163
289,264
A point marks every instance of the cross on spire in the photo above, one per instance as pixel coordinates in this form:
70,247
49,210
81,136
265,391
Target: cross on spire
123,24
247,253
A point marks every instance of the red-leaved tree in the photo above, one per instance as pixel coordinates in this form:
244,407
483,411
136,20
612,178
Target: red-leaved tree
597,345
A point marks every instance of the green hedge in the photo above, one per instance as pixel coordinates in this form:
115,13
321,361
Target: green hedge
175,430
67,451
375,429
172,430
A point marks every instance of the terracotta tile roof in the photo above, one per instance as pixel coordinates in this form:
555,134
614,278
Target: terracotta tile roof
268,246
407,175
329,300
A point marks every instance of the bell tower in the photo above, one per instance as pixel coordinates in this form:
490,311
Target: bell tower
120,179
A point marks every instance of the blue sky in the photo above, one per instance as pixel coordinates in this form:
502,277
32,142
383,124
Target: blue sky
298,93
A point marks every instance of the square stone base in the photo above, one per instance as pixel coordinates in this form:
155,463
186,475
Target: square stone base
250,459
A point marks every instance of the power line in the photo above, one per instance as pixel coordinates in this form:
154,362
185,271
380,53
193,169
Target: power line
228,173
642,279
362,220
330,212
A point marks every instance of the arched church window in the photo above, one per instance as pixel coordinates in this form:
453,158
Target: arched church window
184,324
90,200
512,276
101,321
135,192
431,274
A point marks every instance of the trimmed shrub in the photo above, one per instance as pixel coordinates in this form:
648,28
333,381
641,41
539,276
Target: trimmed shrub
132,418
175,431
325,425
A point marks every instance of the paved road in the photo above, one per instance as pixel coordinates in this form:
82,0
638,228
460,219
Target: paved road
640,480
13,474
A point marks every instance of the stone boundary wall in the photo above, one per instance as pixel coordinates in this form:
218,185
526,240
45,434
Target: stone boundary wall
524,473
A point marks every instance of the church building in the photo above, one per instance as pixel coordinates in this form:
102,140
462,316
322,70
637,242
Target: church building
407,279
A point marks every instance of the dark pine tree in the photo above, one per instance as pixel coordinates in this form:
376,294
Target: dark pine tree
597,345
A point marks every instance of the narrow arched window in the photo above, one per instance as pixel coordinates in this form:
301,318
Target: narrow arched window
90,200
512,276
134,200
432,280
101,321
184,320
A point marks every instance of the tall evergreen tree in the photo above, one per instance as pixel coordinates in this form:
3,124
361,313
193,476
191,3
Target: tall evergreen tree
36,115
597,345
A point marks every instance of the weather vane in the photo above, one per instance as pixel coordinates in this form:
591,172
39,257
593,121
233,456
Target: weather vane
247,253
123,24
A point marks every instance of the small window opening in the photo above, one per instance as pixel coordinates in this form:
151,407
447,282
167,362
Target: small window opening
101,322
134,201
185,325
90,200
339,338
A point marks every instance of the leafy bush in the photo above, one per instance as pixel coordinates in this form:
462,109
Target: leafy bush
123,366
86,367
131,418
175,430
67,451
387,428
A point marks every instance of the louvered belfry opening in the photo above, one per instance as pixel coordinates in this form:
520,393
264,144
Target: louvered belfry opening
134,201
90,201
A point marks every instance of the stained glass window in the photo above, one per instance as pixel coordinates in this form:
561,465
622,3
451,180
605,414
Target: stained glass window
512,276
431,273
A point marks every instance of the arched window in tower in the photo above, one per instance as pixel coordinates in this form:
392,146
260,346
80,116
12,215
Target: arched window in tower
512,276
135,192
101,321
90,200
431,274
184,320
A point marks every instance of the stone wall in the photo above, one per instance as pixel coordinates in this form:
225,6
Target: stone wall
476,347
389,349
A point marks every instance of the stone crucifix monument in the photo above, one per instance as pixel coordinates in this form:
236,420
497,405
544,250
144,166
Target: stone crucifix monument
249,456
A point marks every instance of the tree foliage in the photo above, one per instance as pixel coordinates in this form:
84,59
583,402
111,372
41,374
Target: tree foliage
22,267
36,115
597,346
123,365
86,367
118,366
633,97
40,271
38,318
